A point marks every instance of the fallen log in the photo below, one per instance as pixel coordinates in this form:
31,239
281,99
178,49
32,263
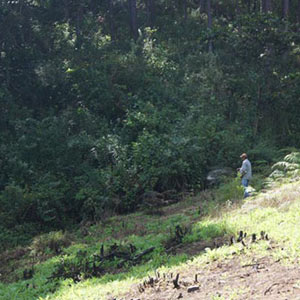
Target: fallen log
140,255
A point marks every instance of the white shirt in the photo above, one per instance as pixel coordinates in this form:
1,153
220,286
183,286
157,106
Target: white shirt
246,169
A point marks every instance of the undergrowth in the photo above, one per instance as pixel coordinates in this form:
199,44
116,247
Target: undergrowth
208,216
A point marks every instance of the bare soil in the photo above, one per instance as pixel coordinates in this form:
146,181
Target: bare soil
263,278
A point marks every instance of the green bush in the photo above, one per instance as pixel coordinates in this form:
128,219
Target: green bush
258,181
93,204
121,117
287,169
230,191
15,206
53,241
18,235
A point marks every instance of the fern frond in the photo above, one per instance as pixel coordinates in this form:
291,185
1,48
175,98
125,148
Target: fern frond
292,167
293,157
294,173
281,165
276,174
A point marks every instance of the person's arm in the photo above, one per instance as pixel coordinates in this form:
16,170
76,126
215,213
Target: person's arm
243,169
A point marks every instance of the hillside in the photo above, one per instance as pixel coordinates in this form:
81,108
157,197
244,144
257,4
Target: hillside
104,101
204,251
112,116
264,269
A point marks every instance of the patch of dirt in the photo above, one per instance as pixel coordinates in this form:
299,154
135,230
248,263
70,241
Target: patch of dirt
263,278
194,203
196,248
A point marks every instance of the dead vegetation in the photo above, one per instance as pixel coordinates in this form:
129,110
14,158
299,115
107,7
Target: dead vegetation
87,266
262,278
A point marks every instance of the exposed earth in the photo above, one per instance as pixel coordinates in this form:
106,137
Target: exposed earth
261,279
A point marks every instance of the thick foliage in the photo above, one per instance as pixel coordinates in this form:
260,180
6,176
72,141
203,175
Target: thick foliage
91,120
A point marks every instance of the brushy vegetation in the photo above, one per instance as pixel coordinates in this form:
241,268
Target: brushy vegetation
93,116
104,104
275,210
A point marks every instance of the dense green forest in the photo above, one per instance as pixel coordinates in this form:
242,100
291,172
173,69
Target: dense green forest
104,101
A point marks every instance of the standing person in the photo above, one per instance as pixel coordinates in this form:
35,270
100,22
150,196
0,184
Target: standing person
246,173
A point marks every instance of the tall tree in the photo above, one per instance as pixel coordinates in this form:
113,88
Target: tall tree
209,25
133,18
269,5
185,9
151,12
111,20
202,6
266,6
285,8
298,11
78,23
255,5
237,6
66,9
248,5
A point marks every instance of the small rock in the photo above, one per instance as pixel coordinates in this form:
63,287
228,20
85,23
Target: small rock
193,289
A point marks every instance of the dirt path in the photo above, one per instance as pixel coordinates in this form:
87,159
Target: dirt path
260,279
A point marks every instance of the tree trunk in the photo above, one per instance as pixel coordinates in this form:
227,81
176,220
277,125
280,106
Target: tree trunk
237,7
21,4
249,6
111,20
266,6
263,5
255,6
133,18
285,8
298,11
209,24
285,12
78,32
66,10
185,9
257,117
151,12
202,6
269,5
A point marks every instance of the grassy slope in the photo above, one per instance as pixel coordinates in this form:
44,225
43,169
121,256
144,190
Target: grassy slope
275,211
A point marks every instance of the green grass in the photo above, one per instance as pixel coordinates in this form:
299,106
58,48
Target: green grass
275,212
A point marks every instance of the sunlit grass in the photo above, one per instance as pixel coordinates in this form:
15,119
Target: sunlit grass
275,212
270,219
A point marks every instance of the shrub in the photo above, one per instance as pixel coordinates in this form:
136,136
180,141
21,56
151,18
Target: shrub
18,235
262,155
92,205
52,241
232,190
14,205
289,167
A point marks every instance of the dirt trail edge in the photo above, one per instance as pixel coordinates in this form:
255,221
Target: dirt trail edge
262,278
